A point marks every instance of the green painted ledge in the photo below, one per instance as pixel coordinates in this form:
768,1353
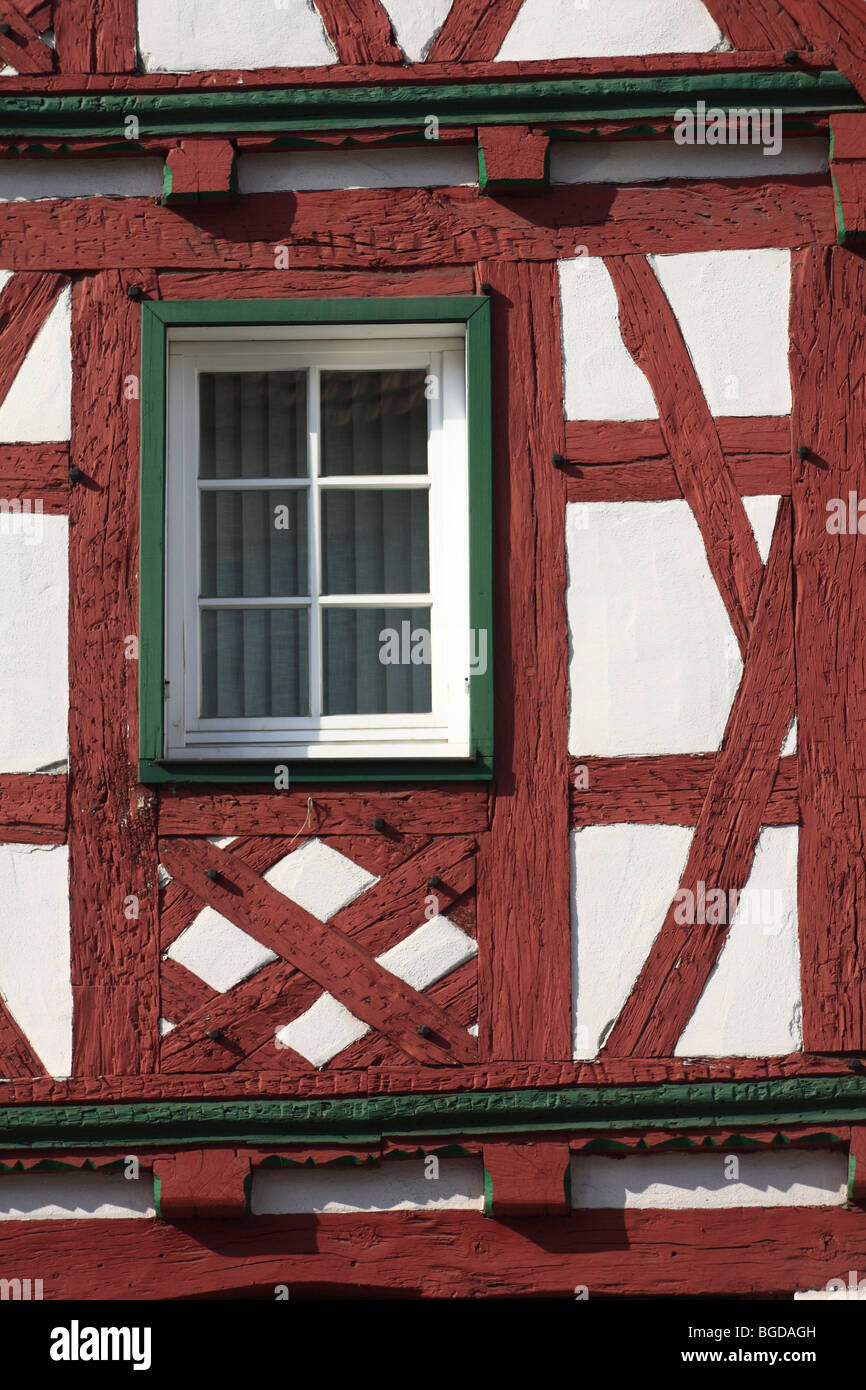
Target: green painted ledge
247,110
671,1106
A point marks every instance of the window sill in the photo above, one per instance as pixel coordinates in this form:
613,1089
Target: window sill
478,769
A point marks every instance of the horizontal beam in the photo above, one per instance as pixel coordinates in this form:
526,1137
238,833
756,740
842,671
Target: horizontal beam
663,790
413,228
39,472
737,1253
594,442
802,1100
431,73
494,102
349,811
386,1078
32,808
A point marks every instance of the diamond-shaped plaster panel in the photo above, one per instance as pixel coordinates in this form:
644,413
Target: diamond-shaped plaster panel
218,952
422,958
319,879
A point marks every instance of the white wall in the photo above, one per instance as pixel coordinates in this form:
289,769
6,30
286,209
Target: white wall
609,28
654,664
732,307
34,609
442,166
75,1196
35,979
812,1178
396,1185
751,1005
28,180
647,161
201,34
416,24
624,878
37,406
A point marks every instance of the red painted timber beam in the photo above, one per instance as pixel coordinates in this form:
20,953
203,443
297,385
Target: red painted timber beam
746,1253
375,229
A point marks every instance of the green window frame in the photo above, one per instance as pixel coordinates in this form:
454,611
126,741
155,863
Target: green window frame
158,317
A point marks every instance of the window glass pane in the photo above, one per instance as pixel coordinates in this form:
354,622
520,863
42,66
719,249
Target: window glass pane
254,544
373,422
376,661
253,425
375,541
254,663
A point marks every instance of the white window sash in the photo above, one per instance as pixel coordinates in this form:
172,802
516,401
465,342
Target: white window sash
443,732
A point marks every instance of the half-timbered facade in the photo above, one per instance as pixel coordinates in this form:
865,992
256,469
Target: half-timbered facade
432,564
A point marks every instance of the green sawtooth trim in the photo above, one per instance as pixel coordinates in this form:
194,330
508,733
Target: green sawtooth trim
334,107
671,1106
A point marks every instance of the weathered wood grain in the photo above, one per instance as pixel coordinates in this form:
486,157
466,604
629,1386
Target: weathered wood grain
25,303
828,370
640,441
95,35
38,472
682,956
654,339
186,810
360,30
767,24
111,825
393,1080
22,47
527,1179
731,1253
474,30
669,790
33,808
759,475
249,1014
336,962
523,913
315,284
431,72
412,228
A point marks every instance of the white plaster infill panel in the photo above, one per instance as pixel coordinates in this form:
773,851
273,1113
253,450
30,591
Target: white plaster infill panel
650,161
751,1005
609,29
34,637
671,1181
218,952
422,958
654,663
456,1184
35,978
202,34
623,879
601,381
448,166
75,1196
416,24
31,180
319,879
37,407
732,309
